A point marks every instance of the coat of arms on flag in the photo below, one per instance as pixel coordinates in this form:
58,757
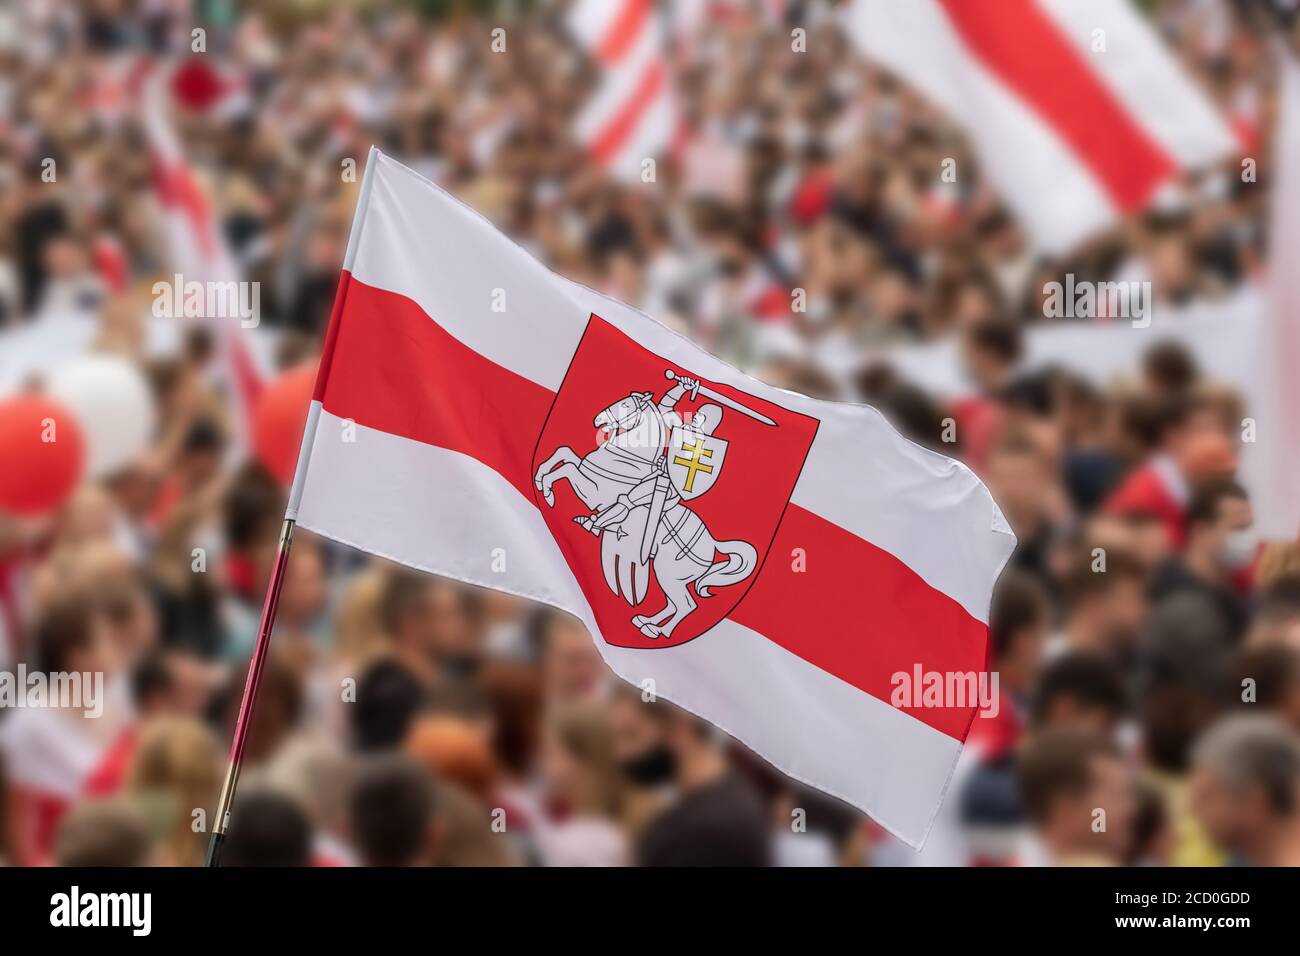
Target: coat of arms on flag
629,475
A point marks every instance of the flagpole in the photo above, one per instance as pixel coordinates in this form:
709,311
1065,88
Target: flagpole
221,819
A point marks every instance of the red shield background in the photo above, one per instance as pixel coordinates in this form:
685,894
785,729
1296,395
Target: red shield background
747,502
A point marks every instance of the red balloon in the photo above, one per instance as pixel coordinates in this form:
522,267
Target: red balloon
43,453
279,418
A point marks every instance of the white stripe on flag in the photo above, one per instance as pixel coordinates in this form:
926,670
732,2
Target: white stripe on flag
1271,463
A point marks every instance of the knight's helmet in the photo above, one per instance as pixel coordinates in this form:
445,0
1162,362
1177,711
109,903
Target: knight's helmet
706,418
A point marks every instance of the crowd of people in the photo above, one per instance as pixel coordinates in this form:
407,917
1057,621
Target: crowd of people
1147,644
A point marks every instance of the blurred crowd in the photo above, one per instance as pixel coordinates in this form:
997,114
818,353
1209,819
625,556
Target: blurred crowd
1147,644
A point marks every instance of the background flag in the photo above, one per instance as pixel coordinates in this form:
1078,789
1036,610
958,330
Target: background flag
1077,112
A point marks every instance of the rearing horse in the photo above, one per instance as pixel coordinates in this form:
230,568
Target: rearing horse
635,435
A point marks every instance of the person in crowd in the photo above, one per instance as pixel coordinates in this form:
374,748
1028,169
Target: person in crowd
991,350
715,817
174,772
1277,612
109,832
393,812
1268,676
571,664
1079,797
1019,475
388,698
1080,690
434,625
1221,544
1246,790
1182,438
50,751
1018,629
454,747
585,791
1106,603
266,829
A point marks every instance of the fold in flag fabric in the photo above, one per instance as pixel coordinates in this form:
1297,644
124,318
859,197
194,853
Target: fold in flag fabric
777,565
1076,111
1271,462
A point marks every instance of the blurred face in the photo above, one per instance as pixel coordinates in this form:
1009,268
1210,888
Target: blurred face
1112,791
1229,540
573,666
1149,541
191,685
133,624
636,733
437,625
1024,656
99,653
1100,819
1018,484
452,630
1123,611
1230,817
1068,710
1203,428
88,517
198,468
304,594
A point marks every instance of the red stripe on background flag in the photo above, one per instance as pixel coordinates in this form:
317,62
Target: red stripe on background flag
632,18
416,381
615,133
177,189
1026,50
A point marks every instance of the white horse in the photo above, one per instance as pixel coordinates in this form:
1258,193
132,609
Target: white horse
634,436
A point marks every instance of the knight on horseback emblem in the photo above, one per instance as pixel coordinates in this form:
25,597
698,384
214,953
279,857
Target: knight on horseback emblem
649,461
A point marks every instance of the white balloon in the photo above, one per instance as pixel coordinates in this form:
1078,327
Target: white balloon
113,405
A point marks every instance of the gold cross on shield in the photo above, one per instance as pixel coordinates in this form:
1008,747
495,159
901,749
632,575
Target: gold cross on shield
698,455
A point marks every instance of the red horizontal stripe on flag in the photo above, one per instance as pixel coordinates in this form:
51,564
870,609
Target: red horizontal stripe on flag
392,368
614,134
863,615
1027,51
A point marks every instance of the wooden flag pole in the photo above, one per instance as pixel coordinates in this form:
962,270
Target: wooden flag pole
221,819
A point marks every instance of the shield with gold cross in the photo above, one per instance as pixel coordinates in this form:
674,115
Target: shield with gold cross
694,461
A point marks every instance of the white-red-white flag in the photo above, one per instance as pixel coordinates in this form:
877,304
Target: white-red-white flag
1271,463
630,116
198,249
1077,112
480,417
